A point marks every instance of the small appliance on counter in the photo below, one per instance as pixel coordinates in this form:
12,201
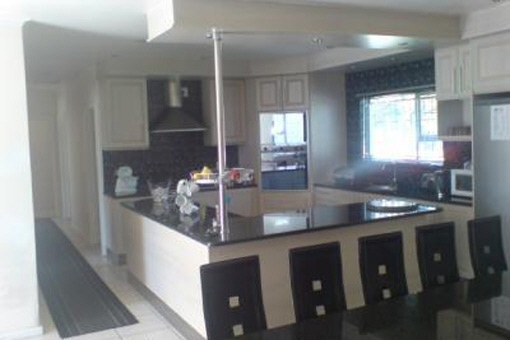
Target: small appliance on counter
462,185
434,183
126,183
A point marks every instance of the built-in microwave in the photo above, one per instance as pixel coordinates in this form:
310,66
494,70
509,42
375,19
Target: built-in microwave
462,184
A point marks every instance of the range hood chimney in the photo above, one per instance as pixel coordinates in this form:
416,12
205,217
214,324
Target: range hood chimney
172,118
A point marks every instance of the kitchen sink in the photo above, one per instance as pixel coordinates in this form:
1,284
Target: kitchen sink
391,205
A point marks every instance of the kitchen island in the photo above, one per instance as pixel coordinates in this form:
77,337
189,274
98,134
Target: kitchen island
165,250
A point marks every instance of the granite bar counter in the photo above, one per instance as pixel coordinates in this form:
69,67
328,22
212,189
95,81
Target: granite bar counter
165,250
246,229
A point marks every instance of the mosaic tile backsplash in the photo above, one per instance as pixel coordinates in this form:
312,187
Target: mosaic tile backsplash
171,155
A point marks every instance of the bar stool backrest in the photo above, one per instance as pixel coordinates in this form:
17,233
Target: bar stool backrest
436,254
382,267
316,279
486,245
232,298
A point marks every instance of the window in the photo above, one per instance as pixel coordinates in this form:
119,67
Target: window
401,126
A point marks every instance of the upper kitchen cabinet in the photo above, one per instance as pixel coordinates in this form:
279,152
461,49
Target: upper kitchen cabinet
453,72
492,66
235,110
124,118
284,93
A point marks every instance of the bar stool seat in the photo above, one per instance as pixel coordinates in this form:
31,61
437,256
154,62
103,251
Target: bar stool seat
232,298
316,279
382,267
436,254
486,245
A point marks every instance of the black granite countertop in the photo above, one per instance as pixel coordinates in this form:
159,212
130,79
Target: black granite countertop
245,229
404,194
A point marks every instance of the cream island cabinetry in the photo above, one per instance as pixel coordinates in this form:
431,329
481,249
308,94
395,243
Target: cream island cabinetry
165,251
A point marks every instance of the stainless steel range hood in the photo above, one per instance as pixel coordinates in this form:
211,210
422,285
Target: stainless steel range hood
173,118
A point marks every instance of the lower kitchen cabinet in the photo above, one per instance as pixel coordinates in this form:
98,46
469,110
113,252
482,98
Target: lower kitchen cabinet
243,201
114,229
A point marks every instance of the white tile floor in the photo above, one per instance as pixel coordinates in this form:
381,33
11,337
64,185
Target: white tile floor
151,325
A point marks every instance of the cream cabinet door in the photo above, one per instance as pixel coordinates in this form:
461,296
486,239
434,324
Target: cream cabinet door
235,111
295,92
446,69
124,121
491,65
269,94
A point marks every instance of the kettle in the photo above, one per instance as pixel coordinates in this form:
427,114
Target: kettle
434,183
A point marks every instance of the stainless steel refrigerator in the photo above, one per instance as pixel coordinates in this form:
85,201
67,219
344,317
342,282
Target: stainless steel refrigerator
491,155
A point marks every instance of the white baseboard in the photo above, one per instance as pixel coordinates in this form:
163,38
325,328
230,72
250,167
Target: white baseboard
22,333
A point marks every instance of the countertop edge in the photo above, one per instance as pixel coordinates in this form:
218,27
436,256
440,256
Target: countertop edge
334,186
214,243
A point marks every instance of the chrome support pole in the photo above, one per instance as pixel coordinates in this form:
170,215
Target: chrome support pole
220,131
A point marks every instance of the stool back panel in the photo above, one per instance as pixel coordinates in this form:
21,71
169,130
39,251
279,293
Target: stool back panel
486,245
316,278
232,297
436,254
382,267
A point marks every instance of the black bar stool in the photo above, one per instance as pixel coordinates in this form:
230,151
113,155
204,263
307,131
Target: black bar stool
486,245
232,298
436,254
382,267
316,279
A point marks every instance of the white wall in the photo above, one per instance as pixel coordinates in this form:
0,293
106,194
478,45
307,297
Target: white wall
328,131
42,116
18,281
77,99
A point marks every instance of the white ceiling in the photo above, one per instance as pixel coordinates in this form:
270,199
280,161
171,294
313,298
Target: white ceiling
457,7
68,35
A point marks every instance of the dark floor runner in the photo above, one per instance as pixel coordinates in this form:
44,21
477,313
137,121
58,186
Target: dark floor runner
78,300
